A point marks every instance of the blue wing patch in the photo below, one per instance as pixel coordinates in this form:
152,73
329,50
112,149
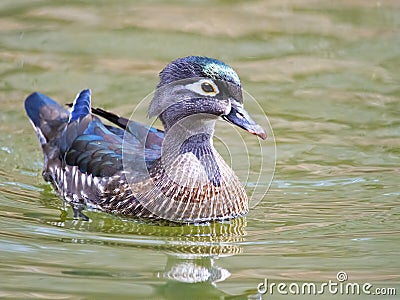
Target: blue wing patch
81,106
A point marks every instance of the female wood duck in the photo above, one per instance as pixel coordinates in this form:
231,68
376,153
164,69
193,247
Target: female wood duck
138,170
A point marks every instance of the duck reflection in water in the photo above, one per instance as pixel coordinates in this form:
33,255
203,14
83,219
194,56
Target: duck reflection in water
192,251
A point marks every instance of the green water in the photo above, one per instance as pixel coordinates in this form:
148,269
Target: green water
325,73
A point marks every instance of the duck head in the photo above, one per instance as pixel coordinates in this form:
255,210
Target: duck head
203,87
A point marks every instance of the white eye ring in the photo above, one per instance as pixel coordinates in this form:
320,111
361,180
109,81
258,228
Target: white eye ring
197,87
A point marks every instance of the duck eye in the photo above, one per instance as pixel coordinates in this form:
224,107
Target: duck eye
208,88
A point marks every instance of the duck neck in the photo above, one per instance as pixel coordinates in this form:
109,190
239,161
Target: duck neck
193,135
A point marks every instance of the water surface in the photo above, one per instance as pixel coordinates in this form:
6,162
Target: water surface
327,76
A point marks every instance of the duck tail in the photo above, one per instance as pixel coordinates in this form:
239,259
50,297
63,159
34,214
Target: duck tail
47,116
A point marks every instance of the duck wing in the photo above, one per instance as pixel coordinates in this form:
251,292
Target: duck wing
96,148
151,136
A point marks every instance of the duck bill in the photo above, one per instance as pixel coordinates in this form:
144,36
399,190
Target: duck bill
241,118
